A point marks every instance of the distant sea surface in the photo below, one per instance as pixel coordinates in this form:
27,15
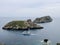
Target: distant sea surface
51,31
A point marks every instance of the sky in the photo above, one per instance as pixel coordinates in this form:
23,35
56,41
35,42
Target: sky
29,8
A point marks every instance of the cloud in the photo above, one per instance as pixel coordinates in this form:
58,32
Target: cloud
20,8
48,10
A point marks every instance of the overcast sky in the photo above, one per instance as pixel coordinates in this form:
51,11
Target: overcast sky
29,8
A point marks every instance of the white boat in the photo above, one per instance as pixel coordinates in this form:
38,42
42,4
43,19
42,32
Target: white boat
26,33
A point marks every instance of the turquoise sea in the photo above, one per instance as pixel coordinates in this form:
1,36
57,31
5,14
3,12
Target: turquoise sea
51,31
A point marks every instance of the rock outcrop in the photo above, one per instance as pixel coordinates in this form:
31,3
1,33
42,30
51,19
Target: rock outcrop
21,25
44,19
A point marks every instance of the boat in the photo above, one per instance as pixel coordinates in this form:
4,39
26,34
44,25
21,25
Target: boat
26,33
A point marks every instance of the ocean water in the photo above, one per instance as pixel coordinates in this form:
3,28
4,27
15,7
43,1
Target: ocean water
51,31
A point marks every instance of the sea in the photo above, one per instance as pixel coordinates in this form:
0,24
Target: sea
51,32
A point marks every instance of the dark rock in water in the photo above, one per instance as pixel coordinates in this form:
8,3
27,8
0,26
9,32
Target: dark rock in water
58,43
21,25
44,19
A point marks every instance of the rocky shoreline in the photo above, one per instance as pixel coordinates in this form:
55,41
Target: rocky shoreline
23,29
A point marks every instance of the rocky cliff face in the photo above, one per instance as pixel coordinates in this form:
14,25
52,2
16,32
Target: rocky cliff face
44,19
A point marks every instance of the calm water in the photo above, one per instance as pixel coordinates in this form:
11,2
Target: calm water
50,31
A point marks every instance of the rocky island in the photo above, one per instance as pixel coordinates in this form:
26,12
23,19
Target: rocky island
44,19
21,25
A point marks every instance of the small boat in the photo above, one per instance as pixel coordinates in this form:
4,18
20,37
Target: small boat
26,33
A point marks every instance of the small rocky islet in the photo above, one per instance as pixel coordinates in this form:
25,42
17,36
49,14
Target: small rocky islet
45,19
28,24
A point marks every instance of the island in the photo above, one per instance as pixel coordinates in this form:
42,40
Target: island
21,25
44,19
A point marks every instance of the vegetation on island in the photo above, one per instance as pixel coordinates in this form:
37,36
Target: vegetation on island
21,25
16,23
